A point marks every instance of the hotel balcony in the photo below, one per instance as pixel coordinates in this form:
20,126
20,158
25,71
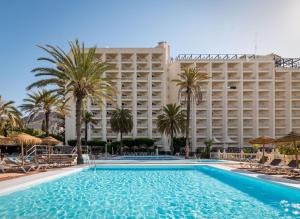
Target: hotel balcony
233,95
142,114
156,95
127,76
281,113
157,57
142,132
217,86
95,105
296,95
157,67
202,113
264,113
264,123
232,113
110,105
127,58
296,113
126,95
232,123
156,105
295,104
142,58
142,96
127,67
111,58
216,123
295,86
156,78
97,115
127,104
281,85
233,67
126,86
232,132
185,65
156,133
217,67
248,114
156,86
142,86
217,105
96,133
248,76
142,76
142,67
142,123
264,75
295,75
248,67
217,95
218,76
155,113
142,105
233,104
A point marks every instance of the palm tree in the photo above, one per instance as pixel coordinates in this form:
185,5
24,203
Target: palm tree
38,102
10,116
87,118
76,76
189,84
121,122
171,122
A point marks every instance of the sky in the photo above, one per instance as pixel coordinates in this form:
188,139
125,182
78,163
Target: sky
189,26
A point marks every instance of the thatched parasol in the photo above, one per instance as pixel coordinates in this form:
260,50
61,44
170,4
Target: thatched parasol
6,141
50,141
26,139
292,137
262,140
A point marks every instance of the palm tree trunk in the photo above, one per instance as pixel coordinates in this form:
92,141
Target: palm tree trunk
171,143
187,129
79,100
47,119
85,132
121,142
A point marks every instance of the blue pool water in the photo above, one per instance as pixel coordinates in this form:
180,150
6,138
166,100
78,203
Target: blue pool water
153,192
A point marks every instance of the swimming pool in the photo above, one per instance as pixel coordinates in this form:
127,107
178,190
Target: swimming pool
153,192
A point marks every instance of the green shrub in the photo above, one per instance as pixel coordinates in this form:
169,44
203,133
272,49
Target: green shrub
178,144
144,141
96,143
128,142
72,142
287,149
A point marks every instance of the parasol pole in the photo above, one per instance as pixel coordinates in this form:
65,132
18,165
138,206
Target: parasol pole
22,152
48,152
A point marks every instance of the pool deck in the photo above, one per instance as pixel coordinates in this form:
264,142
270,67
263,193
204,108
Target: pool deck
11,185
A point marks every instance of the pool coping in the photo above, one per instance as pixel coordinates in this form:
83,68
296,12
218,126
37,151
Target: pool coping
21,183
24,182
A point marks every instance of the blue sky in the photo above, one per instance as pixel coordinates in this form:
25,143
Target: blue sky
189,26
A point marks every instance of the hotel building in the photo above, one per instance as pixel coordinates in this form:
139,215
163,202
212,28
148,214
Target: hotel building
245,97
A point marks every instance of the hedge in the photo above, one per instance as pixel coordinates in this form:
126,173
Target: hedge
89,143
144,141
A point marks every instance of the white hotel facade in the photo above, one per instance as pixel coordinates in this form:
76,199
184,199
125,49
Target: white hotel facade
245,97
